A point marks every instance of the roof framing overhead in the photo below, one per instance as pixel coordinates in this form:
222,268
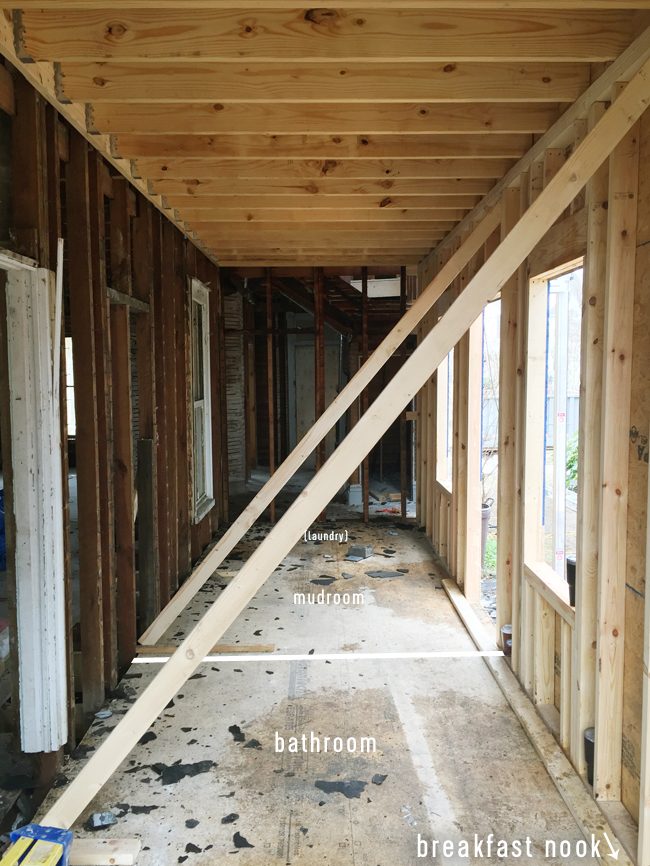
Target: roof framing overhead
356,134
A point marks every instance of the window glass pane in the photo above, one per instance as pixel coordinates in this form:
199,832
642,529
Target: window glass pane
198,386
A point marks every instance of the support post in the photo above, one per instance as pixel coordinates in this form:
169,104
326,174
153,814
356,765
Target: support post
617,379
403,455
168,315
507,482
319,363
124,489
82,327
270,381
101,185
583,693
148,568
365,397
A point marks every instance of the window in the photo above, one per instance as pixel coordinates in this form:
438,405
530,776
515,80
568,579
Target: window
201,403
69,389
445,420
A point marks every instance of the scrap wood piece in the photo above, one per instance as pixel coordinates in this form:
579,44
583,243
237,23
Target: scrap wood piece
218,648
396,395
104,852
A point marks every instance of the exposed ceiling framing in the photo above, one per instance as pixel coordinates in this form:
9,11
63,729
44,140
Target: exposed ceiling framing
356,134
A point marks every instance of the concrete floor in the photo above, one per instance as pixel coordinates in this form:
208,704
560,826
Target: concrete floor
456,761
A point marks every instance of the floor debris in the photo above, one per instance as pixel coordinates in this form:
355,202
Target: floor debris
238,735
173,774
351,790
241,842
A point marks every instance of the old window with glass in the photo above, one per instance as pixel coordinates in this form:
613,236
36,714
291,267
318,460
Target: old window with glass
201,404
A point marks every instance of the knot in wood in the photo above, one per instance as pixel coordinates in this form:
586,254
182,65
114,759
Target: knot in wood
116,30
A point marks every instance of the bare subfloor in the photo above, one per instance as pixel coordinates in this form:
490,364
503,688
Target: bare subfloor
454,759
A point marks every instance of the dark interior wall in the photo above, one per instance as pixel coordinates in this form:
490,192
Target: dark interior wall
6,180
133,399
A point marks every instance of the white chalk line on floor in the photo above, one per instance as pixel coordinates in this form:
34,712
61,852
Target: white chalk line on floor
267,657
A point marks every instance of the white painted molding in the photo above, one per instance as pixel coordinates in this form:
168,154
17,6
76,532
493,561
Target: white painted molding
36,458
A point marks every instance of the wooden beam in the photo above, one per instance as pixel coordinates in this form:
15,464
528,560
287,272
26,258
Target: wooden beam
486,146
168,314
7,95
403,230
469,503
404,452
270,392
365,468
451,206
104,852
319,364
180,175
184,405
330,118
120,298
97,82
124,481
339,405
428,5
584,661
206,221
377,242
333,260
164,547
617,373
566,241
507,484
82,328
55,224
29,162
100,185
329,36
143,279
217,648
516,246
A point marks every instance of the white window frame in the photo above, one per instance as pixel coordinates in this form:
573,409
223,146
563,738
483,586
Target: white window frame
204,502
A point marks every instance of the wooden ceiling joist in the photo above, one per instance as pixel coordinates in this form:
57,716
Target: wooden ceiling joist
328,118
265,125
302,82
327,35
434,218
428,5
325,147
278,175
451,205
442,218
